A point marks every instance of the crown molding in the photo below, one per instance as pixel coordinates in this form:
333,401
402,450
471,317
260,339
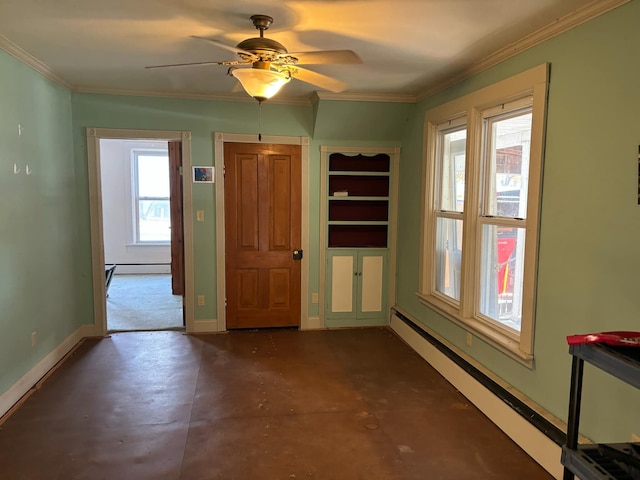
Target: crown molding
31,61
559,26
190,96
365,97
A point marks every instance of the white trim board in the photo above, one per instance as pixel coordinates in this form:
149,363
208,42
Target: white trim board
30,379
535,443
205,326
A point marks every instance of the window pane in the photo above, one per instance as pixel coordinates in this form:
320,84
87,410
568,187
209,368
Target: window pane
501,274
153,175
508,143
154,221
448,256
451,158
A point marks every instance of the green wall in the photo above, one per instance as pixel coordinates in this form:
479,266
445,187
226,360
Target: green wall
589,263
202,118
41,272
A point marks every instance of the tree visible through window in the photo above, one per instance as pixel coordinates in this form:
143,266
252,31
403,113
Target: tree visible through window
151,198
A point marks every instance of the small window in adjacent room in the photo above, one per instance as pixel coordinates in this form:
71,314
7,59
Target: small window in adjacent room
483,167
151,212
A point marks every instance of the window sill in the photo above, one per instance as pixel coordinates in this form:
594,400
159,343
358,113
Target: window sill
497,339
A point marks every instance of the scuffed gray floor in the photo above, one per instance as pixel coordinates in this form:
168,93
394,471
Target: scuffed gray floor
142,302
254,405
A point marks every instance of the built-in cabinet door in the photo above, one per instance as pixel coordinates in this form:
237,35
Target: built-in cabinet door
342,284
371,269
356,286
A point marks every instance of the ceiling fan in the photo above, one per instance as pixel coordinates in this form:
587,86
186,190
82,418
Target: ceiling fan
272,66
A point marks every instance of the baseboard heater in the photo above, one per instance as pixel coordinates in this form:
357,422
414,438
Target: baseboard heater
545,426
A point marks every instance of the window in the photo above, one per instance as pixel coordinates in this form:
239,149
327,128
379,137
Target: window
151,196
483,164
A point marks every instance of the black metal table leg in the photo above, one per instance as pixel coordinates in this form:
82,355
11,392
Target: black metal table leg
573,422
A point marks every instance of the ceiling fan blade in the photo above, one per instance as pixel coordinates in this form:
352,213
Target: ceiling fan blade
326,56
227,47
319,80
193,64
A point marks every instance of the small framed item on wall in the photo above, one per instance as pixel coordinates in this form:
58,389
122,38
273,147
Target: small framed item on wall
202,174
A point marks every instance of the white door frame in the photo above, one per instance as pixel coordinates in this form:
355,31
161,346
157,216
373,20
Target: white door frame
94,135
220,139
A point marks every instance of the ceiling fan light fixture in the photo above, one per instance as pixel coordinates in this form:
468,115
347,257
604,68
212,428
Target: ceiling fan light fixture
259,83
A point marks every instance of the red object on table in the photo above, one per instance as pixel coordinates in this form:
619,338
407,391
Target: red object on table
627,339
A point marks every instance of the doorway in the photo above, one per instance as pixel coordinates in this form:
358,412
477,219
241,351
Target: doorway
142,233
145,256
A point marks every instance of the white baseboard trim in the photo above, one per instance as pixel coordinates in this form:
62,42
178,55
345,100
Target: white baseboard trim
312,323
204,326
537,445
142,269
29,380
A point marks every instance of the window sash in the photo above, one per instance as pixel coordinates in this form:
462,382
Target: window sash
512,177
449,206
156,215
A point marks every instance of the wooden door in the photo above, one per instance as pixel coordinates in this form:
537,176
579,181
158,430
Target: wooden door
177,230
262,230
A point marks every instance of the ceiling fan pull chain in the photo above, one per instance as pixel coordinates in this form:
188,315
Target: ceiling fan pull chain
259,121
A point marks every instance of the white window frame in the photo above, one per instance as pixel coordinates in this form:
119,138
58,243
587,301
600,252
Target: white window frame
527,87
136,198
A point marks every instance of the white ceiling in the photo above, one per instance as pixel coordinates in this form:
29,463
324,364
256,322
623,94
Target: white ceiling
408,47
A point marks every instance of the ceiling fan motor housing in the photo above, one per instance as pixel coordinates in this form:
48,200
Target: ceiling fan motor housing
257,45
267,49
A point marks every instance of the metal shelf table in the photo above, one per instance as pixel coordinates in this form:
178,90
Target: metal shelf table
617,461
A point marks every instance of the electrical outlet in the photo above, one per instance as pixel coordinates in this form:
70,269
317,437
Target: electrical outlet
314,298
34,339
200,300
635,438
469,339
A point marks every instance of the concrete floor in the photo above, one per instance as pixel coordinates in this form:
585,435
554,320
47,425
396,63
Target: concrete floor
273,404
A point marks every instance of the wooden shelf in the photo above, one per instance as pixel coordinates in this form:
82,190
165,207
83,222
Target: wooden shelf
357,199
357,236
345,173
361,218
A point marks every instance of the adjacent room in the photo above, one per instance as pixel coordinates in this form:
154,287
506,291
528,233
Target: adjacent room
141,291
370,229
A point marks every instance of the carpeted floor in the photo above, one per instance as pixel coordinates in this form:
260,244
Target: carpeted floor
142,302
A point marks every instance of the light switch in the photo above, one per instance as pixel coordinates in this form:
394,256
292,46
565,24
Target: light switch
200,216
